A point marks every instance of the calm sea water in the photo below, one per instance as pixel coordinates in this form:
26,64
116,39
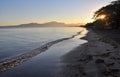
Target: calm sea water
16,41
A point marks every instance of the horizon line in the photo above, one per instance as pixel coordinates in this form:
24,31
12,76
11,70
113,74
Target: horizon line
45,23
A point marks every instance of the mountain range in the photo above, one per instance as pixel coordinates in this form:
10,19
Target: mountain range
53,23
48,24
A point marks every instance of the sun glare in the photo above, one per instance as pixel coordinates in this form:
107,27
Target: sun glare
102,16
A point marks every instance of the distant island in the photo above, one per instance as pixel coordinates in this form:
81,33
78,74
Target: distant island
48,24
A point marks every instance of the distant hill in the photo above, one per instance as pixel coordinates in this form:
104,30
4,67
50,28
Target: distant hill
51,24
54,23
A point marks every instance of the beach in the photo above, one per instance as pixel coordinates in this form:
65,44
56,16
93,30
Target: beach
59,38
99,57
87,53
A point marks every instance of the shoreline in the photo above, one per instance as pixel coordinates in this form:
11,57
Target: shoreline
99,57
17,60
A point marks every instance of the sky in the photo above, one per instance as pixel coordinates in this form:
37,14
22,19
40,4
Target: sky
13,12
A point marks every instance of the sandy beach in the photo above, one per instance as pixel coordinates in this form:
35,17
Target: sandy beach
59,38
99,57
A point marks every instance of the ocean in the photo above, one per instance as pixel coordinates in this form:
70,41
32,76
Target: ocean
18,41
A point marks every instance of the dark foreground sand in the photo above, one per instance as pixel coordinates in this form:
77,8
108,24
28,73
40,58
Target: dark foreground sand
100,57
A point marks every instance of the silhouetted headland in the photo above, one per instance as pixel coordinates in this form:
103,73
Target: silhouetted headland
47,24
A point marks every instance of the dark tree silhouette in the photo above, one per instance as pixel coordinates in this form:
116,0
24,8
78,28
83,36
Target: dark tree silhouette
112,12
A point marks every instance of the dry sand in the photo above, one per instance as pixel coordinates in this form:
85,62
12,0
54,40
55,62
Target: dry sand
99,57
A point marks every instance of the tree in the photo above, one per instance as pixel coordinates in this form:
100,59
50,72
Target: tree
112,12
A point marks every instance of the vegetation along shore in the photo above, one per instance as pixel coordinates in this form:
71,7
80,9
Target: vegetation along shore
100,56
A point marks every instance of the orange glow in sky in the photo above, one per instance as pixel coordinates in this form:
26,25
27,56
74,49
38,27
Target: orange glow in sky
14,12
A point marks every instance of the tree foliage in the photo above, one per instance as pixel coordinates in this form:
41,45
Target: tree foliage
112,12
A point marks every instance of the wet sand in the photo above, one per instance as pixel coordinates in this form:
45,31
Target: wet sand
100,57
